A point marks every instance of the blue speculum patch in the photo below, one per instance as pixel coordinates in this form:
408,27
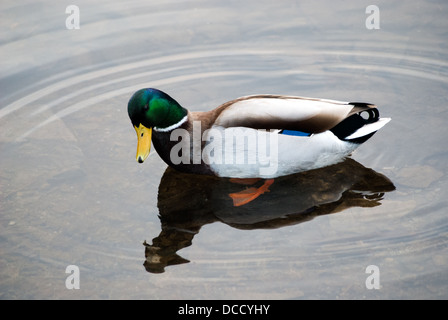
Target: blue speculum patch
295,133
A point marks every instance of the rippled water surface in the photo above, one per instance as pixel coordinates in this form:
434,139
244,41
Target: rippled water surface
72,193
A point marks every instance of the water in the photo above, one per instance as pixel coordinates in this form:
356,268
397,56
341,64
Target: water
72,193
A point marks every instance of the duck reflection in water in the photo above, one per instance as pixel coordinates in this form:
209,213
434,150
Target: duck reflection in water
186,202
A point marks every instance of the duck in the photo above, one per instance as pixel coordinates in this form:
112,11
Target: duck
262,136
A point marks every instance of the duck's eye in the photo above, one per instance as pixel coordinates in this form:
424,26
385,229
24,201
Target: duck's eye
141,135
146,107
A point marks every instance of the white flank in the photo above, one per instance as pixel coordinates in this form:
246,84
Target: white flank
267,154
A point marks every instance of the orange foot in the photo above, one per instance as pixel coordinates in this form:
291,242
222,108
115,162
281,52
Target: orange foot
244,197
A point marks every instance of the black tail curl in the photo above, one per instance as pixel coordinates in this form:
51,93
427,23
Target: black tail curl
356,121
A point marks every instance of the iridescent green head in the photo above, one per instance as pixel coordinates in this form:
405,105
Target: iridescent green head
152,108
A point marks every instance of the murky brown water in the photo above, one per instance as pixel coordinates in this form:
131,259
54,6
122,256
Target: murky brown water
71,192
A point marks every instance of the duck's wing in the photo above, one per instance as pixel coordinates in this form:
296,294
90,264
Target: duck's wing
287,112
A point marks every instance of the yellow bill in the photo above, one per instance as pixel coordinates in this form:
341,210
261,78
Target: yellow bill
143,142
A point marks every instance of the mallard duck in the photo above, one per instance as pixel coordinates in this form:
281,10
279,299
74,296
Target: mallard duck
258,136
